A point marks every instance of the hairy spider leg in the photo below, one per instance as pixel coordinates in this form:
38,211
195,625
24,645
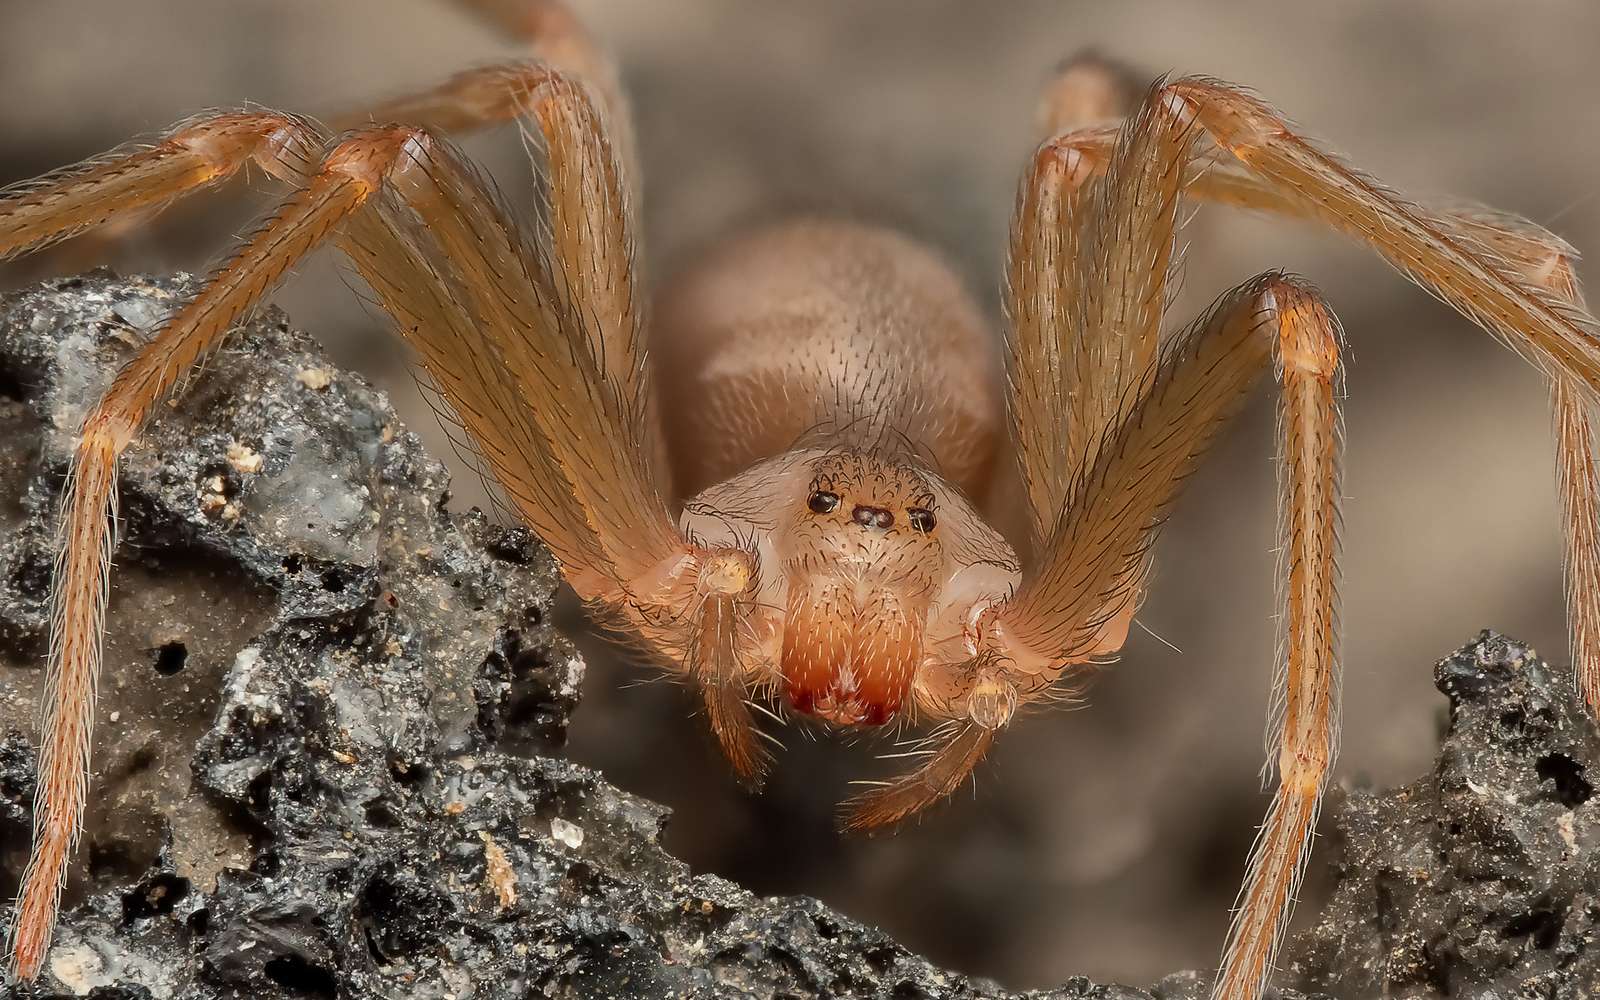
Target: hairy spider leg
1091,564
1201,382
432,205
1305,692
1085,291
348,177
139,179
1507,274
1542,260
590,200
554,37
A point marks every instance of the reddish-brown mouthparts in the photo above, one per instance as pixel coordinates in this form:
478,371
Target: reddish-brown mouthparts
847,662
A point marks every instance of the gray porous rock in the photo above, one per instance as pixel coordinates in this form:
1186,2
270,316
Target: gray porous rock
327,762
1481,879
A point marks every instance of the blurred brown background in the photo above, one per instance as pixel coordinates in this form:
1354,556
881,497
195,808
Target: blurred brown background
1108,841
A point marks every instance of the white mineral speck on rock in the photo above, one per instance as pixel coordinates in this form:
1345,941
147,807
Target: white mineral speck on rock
244,458
567,833
142,313
79,967
314,378
572,677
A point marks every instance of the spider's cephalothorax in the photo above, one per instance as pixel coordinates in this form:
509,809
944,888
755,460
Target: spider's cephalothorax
870,558
830,410
874,566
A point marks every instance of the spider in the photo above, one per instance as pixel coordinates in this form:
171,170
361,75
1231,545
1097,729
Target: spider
788,501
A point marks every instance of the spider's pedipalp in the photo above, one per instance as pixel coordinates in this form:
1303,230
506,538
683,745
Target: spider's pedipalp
716,662
950,763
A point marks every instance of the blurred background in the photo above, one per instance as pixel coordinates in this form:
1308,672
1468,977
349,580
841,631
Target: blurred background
1107,841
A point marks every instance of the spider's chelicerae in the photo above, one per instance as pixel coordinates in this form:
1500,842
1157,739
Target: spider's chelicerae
787,502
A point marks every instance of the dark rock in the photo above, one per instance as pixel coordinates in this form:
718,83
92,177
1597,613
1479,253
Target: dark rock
325,763
1483,878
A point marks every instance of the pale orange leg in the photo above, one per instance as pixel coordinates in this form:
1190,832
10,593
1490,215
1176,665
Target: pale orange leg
1574,413
192,155
1273,168
1546,261
351,174
1201,383
1306,721
1086,303
592,194
1556,335
1046,234
559,427
1113,518
1085,90
556,39
1085,291
1509,275
348,176
588,203
139,180
1080,345
136,182
1093,563
555,35
464,102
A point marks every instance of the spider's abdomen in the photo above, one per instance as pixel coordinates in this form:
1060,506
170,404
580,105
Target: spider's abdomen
824,333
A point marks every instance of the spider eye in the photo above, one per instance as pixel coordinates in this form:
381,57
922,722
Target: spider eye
823,502
922,519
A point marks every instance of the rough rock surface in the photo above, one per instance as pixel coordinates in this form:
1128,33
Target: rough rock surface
1481,879
326,767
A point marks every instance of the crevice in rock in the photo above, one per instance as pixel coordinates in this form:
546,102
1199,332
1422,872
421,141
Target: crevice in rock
1567,775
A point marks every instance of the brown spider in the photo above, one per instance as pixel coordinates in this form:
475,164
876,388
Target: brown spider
783,504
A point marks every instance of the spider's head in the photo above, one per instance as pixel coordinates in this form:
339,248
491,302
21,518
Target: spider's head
862,557
873,557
